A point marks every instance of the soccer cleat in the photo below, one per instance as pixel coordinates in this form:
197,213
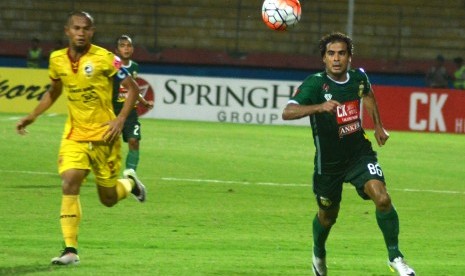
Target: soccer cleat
399,265
68,257
139,189
319,266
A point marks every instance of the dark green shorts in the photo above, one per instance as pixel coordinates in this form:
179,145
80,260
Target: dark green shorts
328,187
131,129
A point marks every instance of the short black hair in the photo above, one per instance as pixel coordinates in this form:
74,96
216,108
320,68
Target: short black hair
333,37
123,37
81,14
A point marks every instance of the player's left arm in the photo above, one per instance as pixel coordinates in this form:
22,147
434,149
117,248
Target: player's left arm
116,126
369,101
140,97
144,102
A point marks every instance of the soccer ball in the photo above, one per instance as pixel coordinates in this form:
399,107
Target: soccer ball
281,14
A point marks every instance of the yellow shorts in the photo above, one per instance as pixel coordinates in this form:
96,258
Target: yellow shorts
102,158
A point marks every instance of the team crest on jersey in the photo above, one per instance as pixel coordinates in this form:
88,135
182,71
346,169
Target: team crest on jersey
325,88
88,69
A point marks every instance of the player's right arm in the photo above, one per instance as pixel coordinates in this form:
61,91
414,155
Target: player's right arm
47,100
294,111
304,102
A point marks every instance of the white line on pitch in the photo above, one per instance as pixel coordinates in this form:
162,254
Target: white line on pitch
292,185
245,182
14,118
235,182
28,172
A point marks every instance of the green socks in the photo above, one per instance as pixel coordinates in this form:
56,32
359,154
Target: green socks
320,234
388,222
132,159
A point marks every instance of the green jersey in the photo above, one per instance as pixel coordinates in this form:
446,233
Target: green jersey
120,93
338,137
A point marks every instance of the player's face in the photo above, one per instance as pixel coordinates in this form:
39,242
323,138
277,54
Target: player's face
80,32
337,60
124,49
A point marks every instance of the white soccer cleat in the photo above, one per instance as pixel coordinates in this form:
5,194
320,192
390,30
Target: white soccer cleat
68,257
399,265
139,189
319,266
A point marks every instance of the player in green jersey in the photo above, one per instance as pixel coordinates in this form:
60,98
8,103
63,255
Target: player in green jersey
131,130
332,99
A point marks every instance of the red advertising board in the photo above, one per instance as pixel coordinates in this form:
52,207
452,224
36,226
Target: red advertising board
420,109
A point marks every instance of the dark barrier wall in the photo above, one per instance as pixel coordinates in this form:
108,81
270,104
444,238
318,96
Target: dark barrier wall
244,72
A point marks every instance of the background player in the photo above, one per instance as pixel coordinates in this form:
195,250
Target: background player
343,152
84,73
131,129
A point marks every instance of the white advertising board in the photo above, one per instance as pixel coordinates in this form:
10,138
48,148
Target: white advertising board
249,101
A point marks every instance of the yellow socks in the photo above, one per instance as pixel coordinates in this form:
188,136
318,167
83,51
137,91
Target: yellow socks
123,188
70,214
70,217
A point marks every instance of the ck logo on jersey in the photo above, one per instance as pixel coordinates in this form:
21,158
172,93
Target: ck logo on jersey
348,115
348,112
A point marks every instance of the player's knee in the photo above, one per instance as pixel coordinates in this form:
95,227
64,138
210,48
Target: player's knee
327,219
133,144
383,202
328,222
108,202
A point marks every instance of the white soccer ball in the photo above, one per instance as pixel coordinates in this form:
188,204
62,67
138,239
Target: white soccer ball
279,15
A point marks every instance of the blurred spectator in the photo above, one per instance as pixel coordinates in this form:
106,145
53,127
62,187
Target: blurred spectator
437,76
459,74
34,54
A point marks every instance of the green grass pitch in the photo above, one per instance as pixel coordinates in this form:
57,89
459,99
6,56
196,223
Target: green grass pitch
229,199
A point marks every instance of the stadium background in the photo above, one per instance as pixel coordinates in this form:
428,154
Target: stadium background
236,222
396,41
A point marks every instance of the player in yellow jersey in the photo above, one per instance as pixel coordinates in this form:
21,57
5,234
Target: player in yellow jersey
84,73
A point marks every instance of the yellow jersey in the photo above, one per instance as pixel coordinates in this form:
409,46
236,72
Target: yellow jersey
87,85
